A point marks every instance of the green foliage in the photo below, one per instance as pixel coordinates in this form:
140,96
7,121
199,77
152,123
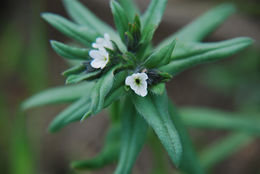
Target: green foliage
154,109
134,55
133,133
70,52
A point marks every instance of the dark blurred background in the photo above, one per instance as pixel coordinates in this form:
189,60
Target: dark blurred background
28,65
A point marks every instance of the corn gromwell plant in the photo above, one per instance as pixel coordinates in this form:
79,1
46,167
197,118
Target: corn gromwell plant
122,70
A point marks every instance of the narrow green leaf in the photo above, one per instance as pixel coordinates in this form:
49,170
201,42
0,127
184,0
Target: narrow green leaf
82,15
108,154
204,25
75,70
154,109
179,65
120,18
69,52
81,34
192,166
133,135
160,57
214,119
153,15
158,89
130,8
224,148
76,78
61,94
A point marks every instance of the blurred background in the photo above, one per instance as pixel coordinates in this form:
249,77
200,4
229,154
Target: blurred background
28,65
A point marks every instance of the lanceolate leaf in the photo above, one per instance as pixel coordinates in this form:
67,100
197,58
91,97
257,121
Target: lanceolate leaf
70,52
160,57
213,119
192,166
179,65
108,154
76,78
134,130
81,34
120,19
187,49
224,148
129,7
204,25
154,13
154,109
82,15
62,94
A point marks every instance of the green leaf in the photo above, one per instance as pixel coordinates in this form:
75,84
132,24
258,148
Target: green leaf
179,65
214,119
76,78
203,26
81,34
108,154
192,166
75,70
130,8
133,135
158,89
62,94
120,18
154,109
69,52
160,57
82,15
154,13
224,148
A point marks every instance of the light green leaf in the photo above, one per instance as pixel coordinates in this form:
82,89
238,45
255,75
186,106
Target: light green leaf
154,109
108,154
81,34
203,26
179,65
61,94
224,148
158,89
189,154
70,52
153,15
160,57
83,16
214,119
134,130
120,19
130,8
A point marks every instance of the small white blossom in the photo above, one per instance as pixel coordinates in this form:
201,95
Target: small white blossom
138,83
102,43
100,58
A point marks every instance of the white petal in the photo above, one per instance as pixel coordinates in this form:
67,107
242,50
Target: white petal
107,37
96,63
95,54
143,76
129,80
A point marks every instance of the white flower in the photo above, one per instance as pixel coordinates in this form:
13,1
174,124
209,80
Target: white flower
100,58
102,43
138,83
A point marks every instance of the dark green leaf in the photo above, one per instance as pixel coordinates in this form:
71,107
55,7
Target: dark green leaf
81,34
62,94
204,25
179,65
160,57
108,154
75,70
70,52
134,130
154,109
214,119
76,78
120,18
